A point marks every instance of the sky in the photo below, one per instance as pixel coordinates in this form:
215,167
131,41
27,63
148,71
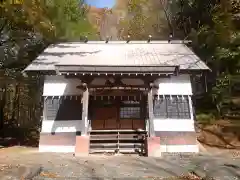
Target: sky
101,3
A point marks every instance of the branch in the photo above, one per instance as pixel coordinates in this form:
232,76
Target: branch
3,25
167,16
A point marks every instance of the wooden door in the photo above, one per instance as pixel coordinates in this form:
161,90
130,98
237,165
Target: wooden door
132,124
105,118
131,117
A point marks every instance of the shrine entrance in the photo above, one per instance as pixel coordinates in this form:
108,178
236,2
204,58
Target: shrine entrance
117,112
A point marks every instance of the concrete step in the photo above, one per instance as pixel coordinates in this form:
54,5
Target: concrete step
137,145
101,136
118,130
118,135
110,150
114,139
138,136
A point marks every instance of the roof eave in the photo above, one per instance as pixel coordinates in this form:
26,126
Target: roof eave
116,69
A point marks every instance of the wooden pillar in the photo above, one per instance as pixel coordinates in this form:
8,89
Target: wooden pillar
150,110
85,102
191,107
143,104
82,141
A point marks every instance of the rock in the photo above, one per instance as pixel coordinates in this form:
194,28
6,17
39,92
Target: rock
29,172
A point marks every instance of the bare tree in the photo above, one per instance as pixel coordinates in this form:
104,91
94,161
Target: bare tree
165,5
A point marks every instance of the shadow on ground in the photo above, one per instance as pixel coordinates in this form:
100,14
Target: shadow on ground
66,166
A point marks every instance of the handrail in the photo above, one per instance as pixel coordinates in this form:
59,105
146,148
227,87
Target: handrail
89,126
147,126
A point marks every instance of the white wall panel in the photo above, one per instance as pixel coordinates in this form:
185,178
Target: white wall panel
176,85
179,148
58,86
173,125
49,126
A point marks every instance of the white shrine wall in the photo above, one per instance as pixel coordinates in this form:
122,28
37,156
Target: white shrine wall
176,135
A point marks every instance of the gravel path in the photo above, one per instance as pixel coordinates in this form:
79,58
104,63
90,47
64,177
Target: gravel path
16,164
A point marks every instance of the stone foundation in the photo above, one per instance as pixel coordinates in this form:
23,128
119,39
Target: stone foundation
153,147
57,142
82,145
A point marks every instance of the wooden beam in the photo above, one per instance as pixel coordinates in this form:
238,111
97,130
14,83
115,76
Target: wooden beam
124,86
117,92
147,79
118,81
112,75
150,79
112,88
85,79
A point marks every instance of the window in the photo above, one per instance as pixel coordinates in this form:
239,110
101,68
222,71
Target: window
173,107
130,102
130,112
159,107
63,108
130,109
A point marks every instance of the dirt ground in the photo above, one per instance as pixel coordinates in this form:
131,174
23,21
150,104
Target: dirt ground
223,134
19,162
219,158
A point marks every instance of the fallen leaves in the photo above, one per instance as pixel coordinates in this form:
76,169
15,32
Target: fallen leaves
49,175
4,167
190,176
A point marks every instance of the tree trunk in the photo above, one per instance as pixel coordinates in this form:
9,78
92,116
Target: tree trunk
2,105
15,102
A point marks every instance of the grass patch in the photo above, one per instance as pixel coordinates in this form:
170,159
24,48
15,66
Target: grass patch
205,118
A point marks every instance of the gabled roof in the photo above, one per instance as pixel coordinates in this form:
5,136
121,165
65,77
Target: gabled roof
117,54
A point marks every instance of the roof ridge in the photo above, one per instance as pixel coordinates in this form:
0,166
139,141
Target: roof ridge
130,42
